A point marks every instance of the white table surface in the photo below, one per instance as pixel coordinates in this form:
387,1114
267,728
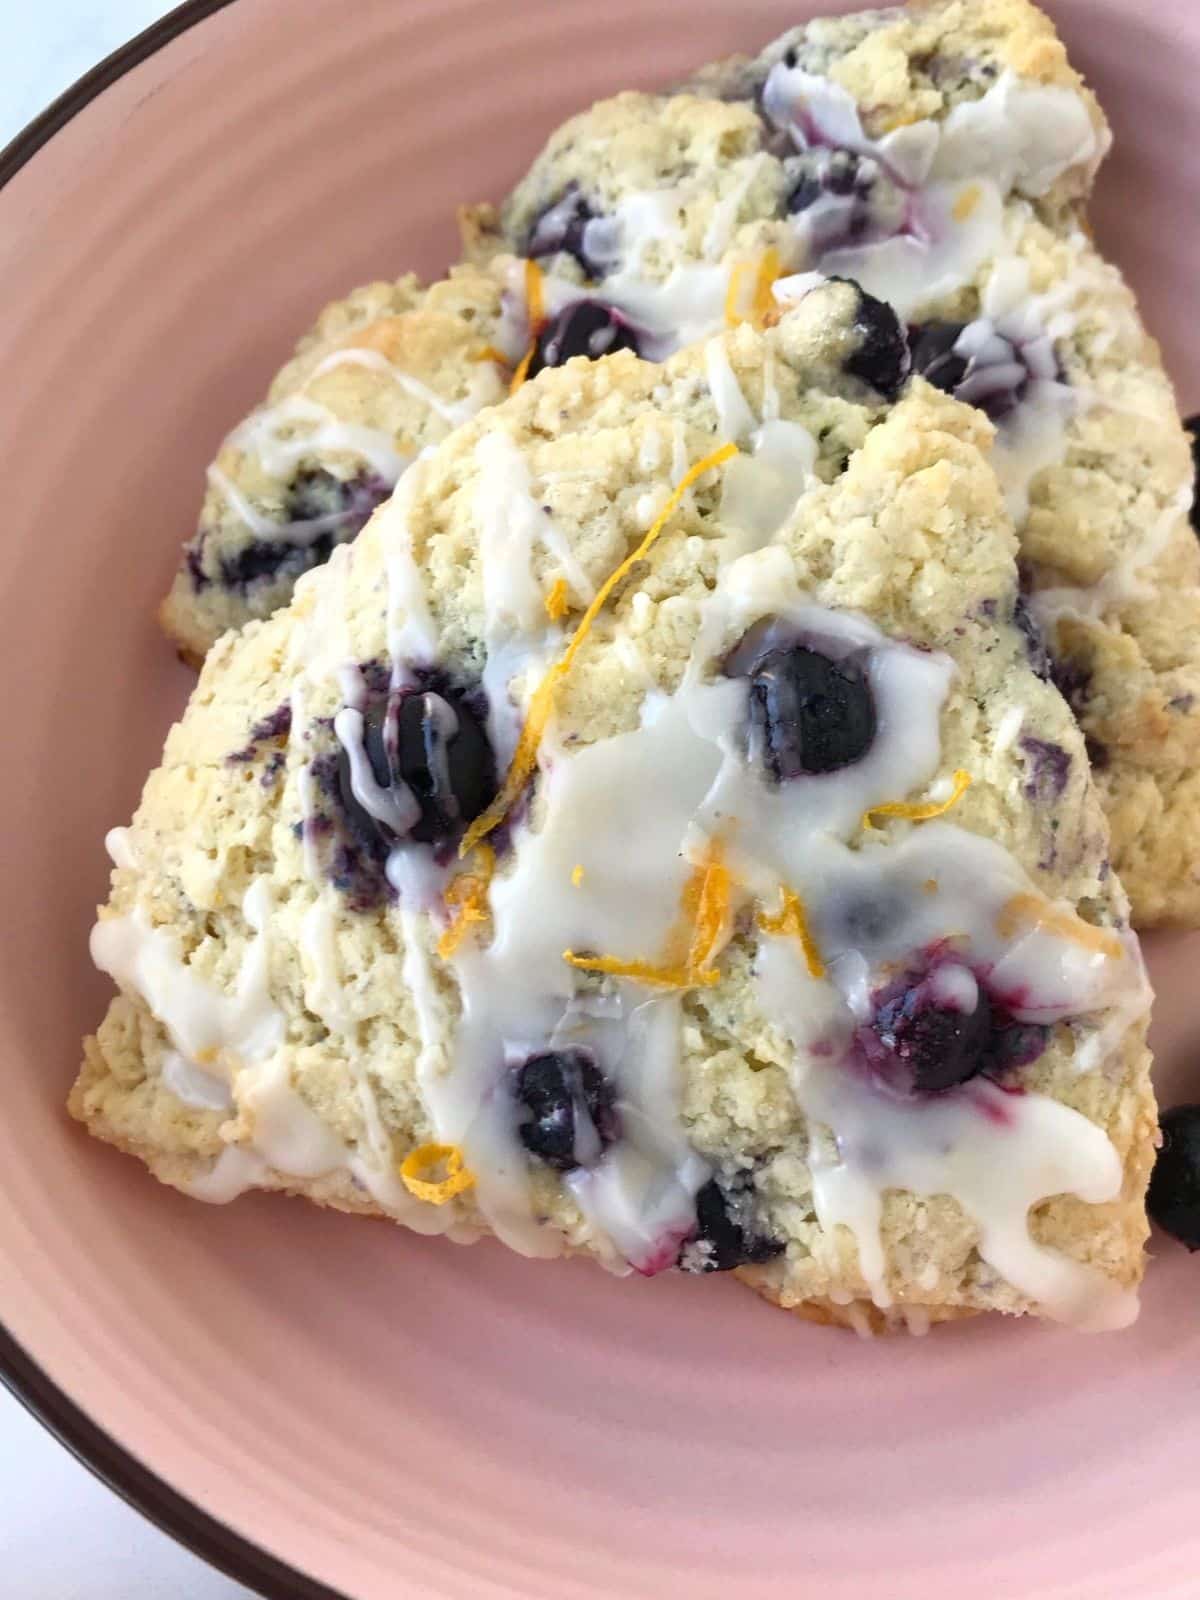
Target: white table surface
63,1535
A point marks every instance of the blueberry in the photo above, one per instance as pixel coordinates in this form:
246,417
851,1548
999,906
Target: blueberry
935,1027
936,1045
881,358
1173,1199
435,744
806,191
810,713
569,1115
561,228
1193,427
833,172
994,379
931,345
335,509
726,1235
585,328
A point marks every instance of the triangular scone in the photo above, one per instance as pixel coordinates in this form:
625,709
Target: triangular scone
938,155
383,374
782,935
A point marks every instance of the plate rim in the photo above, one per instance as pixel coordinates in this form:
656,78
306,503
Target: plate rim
104,1456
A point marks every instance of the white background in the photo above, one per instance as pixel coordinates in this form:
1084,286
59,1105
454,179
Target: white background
63,1536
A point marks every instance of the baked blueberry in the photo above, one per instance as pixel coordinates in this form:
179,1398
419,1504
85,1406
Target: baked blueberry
993,377
1173,1199
568,1115
562,229
808,713
935,1029
334,510
726,1233
434,744
931,345
832,172
585,328
881,356
1192,425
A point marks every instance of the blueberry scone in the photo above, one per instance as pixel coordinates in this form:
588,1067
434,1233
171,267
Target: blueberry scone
939,156
385,372
652,839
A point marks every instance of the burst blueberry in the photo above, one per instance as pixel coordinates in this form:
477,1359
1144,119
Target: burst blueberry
585,328
727,1235
936,1044
1174,1195
936,1028
567,1114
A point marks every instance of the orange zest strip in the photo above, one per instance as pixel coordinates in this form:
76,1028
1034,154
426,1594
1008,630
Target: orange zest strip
704,921
792,923
1031,912
467,900
428,1158
642,971
556,602
924,811
535,307
490,353
763,303
733,294
542,703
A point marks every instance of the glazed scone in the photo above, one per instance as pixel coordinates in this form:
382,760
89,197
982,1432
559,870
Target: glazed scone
384,373
938,155
651,839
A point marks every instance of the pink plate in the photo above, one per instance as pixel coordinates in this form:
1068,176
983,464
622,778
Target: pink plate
384,1415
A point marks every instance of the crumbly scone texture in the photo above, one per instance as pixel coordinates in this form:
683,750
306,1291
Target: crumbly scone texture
901,65
903,523
921,60
1108,554
384,373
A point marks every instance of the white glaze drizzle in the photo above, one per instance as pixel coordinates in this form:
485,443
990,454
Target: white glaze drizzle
996,1154
205,1025
282,434
485,387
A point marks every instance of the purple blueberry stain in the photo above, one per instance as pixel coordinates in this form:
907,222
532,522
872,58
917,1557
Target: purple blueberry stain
357,861
935,1027
275,726
1049,769
321,511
